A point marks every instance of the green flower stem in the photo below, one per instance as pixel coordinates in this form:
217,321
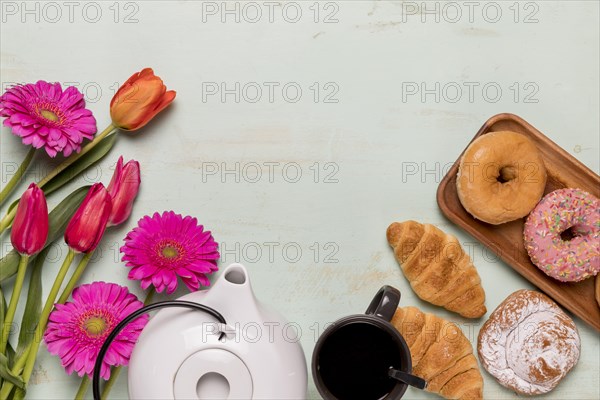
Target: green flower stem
8,218
41,327
14,299
115,371
114,375
12,184
83,387
20,362
74,278
17,369
149,297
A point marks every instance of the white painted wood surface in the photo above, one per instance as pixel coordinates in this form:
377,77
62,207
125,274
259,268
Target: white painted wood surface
380,150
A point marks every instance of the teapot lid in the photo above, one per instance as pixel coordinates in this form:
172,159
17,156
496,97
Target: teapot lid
223,376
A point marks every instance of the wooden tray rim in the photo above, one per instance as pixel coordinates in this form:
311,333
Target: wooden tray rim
506,256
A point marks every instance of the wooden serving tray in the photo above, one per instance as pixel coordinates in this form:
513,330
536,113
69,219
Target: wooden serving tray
506,240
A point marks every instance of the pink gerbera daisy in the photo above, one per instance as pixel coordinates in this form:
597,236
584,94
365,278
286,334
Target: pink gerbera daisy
77,329
44,115
163,247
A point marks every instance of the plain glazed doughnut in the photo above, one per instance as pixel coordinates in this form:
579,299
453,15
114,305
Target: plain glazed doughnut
528,344
565,211
501,177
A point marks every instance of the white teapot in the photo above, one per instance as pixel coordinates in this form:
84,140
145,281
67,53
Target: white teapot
183,354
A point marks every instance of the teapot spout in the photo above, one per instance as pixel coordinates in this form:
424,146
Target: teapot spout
233,287
236,274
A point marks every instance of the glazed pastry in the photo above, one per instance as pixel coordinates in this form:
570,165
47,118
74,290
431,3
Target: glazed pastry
598,290
528,344
437,267
501,177
565,211
441,354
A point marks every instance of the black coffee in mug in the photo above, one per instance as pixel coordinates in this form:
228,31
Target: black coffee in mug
356,357
355,360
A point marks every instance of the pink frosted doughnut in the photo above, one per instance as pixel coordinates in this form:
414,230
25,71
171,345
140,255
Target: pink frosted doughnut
566,260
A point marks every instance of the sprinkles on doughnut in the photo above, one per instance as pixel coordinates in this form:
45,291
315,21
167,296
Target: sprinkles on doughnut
562,213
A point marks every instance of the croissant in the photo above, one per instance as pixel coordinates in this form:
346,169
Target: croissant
437,267
441,354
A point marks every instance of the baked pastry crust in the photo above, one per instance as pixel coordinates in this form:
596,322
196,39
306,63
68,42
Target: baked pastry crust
441,354
437,267
598,289
528,344
501,177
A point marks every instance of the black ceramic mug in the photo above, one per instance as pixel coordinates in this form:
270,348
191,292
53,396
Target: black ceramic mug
354,356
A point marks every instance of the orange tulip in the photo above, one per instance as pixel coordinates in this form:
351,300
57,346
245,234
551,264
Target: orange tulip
138,100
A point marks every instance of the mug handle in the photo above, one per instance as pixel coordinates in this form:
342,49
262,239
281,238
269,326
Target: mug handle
385,303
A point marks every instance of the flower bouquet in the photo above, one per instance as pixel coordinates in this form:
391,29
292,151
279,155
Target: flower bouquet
74,321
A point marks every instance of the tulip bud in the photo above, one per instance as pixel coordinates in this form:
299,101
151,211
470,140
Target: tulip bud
138,100
123,189
30,226
86,227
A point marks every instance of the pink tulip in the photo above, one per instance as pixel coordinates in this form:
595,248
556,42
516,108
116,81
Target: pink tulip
88,224
30,226
123,189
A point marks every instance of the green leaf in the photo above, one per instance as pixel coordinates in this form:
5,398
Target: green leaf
8,265
10,353
2,314
7,374
2,308
87,160
33,307
19,394
58,219
12,205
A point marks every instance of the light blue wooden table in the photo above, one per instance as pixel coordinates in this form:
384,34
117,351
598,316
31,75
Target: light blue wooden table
301,130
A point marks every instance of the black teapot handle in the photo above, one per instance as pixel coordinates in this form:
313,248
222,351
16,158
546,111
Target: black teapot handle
385,303
136,314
